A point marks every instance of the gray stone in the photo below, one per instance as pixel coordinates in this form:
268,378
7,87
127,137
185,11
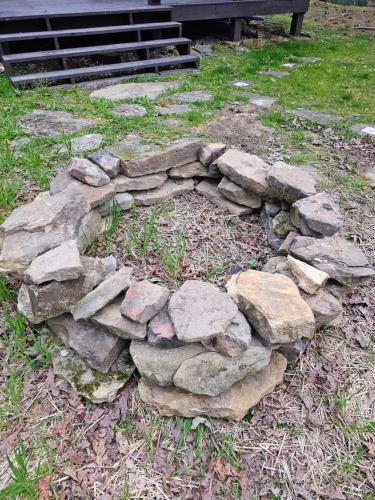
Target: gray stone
39,303
95,344
143,301
279,265
241,84
273,240
290,183
108,163
316,116
130,110
213,171
110,318
108,290
325,307
87,172
200,311
343,261
211,152
160,364
19,142
132,147
95,196
60,264
166,192
211,373
195,169
174,109
291,65
110,264
193,96
272,208
238,194
274,73
234,341
273,306
91,227
232,404
307,59
82,144
369,174
150,90
293,350
317,215
281,224
123,183
39,226
364,129
205,49
92,384
210,190
262,101
161,332
244,169
53,123
176,154
121,201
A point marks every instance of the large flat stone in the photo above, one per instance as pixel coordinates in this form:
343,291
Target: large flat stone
110,317
150,90
53,123
343,261
211,373
290,183
364,129
92,384
246,170
238,194
274,73
200,311
173,109
130,110
210,190
167,191
195,169
123,183
176,154
39,303
95,344
160,364
193,96
95,196
232,404
60,264
272,305
316,116
317,215
103,294
143,301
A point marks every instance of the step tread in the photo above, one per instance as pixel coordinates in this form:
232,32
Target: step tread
107,68
31,35
97,49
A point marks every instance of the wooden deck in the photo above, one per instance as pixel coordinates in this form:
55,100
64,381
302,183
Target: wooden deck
114,36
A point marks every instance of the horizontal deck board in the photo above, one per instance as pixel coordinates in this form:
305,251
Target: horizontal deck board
98,49
103,69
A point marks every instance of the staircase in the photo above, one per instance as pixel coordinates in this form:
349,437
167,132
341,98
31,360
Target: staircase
61,50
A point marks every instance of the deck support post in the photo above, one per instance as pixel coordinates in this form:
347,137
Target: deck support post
235,29
296,25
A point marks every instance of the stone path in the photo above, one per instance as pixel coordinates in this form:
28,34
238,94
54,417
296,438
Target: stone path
53,123
150,90
193,96
364,129
274,73
259,100
130,110
316,116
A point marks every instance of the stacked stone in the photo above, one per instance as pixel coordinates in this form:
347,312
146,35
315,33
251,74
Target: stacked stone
199,350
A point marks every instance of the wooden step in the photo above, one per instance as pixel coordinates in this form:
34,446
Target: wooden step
103,69
100,30
98,49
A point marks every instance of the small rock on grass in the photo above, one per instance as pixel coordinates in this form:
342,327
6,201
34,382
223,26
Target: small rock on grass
238,194
82,144
232,404
290,183
143,301
60,264
211,152
103,294
89,383
210,190
85,171
110,317
108,163
200,311
309,278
